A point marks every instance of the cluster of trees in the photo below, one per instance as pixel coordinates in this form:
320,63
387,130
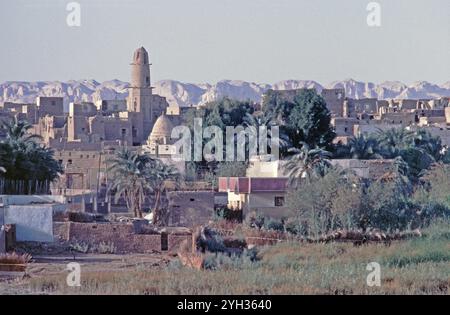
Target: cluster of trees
303,120
27,166
418,149
136,176
340,200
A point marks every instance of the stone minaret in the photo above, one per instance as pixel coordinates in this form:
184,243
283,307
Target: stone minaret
140,96
140,89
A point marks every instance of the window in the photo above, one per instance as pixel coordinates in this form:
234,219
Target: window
124,132
192,199
279,201
53,103
81,156
69,162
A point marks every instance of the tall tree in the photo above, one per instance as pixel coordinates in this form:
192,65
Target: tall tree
130,173
306,164
304,117
25,160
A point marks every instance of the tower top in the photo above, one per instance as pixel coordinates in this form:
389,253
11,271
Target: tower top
140,57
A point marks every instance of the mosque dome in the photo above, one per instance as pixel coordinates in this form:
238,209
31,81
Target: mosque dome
162,130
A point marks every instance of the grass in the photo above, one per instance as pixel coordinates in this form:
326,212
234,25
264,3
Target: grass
416,266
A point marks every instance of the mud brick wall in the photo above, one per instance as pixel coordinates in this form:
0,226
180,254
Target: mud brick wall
121,235
61,230
145,243
175,241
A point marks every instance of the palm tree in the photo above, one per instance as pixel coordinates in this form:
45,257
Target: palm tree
307,163
395,140
29,166
160,174
131,172
431,145
266,120
363,147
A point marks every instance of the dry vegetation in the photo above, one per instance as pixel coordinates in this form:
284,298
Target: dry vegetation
416,266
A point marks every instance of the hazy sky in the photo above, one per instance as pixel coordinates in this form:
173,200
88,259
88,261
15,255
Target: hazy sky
210,40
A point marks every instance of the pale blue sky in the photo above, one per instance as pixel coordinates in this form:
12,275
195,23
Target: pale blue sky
210,40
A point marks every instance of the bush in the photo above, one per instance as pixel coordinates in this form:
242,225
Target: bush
224,213
295,226
210,241
274,224
231,261
254,220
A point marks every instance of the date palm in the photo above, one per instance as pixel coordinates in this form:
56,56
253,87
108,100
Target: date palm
307,163
430,144
363,147
28,165
255,122
130,173
394,140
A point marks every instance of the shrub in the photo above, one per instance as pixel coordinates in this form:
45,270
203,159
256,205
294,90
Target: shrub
225,213
255,220
210,241
106,248
274,224
80,247
217,261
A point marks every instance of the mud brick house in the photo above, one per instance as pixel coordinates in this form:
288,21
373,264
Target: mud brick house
190,208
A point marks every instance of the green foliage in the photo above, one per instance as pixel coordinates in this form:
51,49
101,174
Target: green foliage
22,157
274,224
338,200
325,203
211,242
364,147
304,118
221,261
221,113
435,186
394,140
306,164
224,213
135,175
